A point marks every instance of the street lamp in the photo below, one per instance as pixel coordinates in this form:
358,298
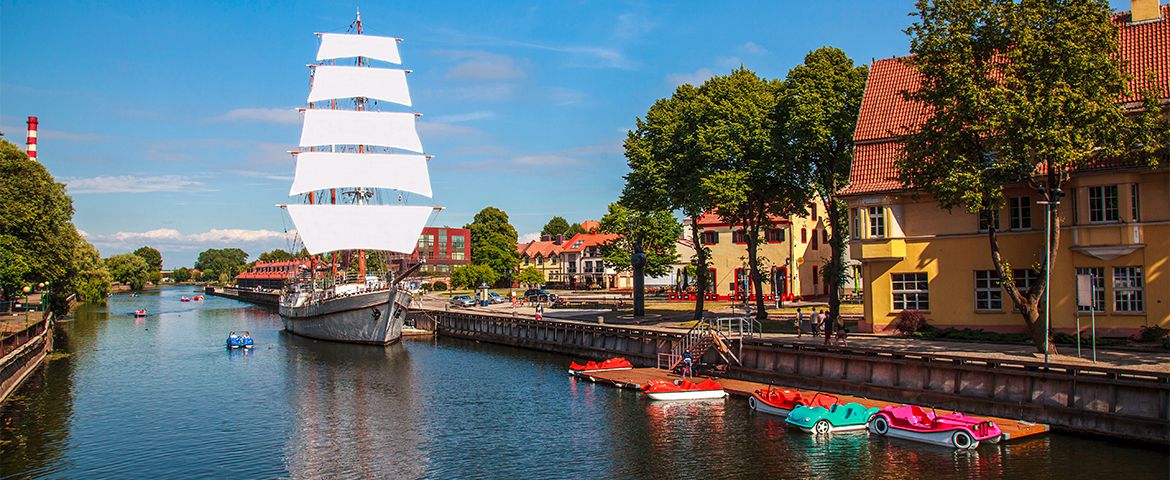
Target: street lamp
1052,202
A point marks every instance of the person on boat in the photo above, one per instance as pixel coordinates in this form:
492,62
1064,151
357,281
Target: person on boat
687,365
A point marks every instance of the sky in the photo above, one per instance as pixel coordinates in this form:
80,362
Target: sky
170,121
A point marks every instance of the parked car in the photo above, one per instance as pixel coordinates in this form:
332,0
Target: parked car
540,295
494,297
462,301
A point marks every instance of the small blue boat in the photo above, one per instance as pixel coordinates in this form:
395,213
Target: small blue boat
237,341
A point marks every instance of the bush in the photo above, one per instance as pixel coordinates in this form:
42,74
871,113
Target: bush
1154,334
439,286
908,323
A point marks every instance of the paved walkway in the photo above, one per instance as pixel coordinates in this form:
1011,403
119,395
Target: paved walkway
1151,361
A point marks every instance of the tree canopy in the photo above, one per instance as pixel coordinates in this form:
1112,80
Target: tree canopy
472,276
493,242
531,276
181,274
658,231
129,269
153,258
556,226
92,279
221,264
277,255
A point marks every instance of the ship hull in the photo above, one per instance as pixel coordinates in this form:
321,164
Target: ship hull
368,318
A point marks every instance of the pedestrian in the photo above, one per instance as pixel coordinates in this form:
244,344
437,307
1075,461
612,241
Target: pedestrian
687,365
842,334
799,323
539,312
816,322
829,324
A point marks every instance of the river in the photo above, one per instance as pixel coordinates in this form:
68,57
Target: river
162,397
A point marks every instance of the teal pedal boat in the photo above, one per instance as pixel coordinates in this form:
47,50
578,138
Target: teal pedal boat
836,418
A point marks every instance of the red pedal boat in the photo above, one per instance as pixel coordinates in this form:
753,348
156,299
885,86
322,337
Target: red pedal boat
781,402
953,430
615,363
683,390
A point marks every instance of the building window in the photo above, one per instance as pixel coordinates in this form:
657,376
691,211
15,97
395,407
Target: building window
1021,213
443,244
552,260
910,291
856,223
1135,203
988,294
526,259
458,243
588,267
987,218
458,255
426,245
710,238
774,235
1103,204
739,236
877,222
825,235
816,272
1098,275
803,235
1024,279
1127,289
815,239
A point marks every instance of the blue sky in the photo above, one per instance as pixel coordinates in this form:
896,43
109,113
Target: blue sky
169,120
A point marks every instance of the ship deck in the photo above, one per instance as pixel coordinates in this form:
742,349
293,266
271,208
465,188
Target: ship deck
1013,429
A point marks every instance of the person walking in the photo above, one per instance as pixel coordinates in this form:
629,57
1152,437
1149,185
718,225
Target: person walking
816,322
829,325
539,312
799,323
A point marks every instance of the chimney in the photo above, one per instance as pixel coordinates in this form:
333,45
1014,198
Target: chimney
560,239
545,238
32,138
1144,11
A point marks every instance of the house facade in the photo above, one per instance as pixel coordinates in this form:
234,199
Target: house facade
439,249
1114,219
544,255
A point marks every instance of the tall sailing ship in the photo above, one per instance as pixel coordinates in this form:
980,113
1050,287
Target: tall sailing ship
356,153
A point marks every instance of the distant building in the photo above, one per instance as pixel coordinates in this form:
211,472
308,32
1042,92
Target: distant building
271,275
440,249
544,255
583,267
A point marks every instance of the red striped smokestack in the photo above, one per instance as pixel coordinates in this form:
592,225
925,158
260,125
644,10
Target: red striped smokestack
32,138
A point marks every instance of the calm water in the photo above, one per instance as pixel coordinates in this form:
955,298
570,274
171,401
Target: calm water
162,397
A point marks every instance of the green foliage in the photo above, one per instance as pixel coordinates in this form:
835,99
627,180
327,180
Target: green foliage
277,255
181,274
493,243
573,230
129,269
530,276
658,231
153,258
376,262
556,226
221,264
1153,333
36,227
439,286
472,276
92,279
909,322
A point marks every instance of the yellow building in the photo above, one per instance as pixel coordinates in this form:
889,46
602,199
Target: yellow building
544,255
1115,226
793,253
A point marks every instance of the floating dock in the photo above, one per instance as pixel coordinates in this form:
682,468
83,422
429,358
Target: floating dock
635,378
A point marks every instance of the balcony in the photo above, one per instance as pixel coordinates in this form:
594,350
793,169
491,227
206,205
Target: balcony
1106,241
878,249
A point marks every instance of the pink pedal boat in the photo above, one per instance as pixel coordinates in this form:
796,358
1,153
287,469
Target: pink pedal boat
953,430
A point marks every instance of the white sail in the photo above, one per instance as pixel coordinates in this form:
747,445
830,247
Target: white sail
328,228
322,170
348,82
340,45
348,127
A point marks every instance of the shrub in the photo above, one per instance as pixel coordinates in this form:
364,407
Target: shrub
439,286
1153,334
909,322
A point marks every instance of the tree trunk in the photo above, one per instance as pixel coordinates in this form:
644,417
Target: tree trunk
753,230
700,270
1027,303
836,268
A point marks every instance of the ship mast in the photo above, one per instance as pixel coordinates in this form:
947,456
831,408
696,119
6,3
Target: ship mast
361,192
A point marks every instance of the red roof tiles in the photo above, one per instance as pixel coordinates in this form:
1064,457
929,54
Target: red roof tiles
884,113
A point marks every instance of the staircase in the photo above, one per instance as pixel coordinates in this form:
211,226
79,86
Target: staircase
722,335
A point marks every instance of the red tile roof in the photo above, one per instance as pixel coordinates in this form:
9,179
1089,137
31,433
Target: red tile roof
591,225
545,249
884,114
280,269
582,240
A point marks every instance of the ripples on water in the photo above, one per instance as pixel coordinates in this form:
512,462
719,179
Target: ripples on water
160,396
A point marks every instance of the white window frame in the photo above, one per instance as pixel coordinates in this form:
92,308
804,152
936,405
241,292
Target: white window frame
876,221
1135,202
984,221
987,286
1098,274
1020,210
856,214
1100,204
1128,290
910,291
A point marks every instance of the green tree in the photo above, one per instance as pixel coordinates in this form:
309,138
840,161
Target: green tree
493,242
154,260
753,179
472,276
556,226
667,170
817,115
36,217
573,230
181,274
13,268
221,264
376,262
530,276
93,280
658,231
1015,89
277,255
129,269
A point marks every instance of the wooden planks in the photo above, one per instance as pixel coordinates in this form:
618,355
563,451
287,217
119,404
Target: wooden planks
635,378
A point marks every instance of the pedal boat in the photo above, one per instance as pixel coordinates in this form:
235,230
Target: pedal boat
954,430
185,299
683,390
835,418
615,363
774,401
235,342
140,313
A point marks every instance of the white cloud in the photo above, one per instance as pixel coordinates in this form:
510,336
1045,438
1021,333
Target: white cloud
695,78
729,62
262,115
545,160
477,65
529,237
753,48
169,239
235,235
464,117
133,184
156,234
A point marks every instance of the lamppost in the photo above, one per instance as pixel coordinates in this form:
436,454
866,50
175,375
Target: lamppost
26,289
1051,202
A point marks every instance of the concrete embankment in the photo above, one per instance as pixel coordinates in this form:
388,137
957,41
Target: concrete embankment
1114,402
22,352
264,299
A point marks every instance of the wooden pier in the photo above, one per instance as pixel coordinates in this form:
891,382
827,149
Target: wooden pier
635,378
